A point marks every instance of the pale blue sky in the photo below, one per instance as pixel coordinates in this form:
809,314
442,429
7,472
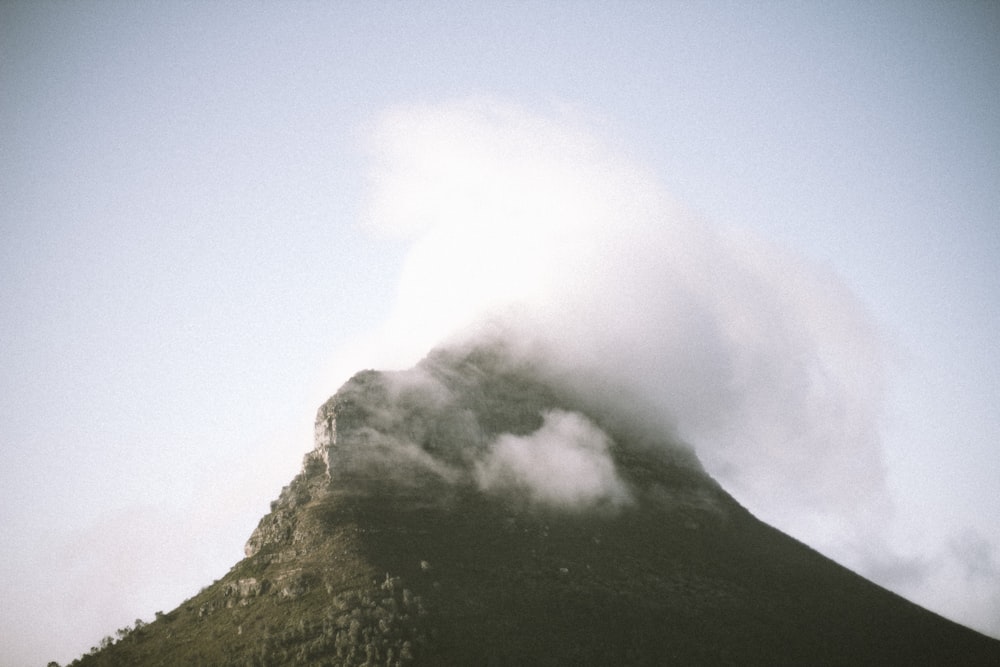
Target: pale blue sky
182,261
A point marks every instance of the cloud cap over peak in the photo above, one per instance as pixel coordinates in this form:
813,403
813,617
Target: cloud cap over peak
763,361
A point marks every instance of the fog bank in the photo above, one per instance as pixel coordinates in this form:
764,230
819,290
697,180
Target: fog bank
529,224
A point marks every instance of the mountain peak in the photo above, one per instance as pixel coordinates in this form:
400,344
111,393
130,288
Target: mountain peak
472,511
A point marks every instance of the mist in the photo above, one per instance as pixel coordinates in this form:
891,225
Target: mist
539,229
531,225
434,423
564,464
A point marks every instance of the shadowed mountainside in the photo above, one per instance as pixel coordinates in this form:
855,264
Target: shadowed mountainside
430,526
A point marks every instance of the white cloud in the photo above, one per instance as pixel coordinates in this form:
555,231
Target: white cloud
499,207
767,364
763,361
565,463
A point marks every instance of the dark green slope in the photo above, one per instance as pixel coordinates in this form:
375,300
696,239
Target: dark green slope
385,550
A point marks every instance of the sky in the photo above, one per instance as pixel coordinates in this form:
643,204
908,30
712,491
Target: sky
779,219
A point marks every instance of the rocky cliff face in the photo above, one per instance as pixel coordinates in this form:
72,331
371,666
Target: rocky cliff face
466,512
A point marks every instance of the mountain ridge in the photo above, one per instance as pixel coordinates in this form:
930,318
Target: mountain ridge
431,524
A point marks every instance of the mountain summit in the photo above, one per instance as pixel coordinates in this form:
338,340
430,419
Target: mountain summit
470,512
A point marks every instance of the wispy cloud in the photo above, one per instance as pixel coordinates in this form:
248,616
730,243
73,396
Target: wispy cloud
764,361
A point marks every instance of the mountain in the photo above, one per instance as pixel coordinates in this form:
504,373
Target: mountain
471,512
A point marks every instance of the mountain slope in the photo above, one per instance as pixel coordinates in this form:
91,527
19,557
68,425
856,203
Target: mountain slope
468,513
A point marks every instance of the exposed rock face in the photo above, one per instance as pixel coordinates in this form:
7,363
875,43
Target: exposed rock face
439,520
279,527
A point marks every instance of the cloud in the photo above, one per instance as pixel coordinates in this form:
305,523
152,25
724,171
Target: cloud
975,555
969,577
526,225
960,575
766,363
565,464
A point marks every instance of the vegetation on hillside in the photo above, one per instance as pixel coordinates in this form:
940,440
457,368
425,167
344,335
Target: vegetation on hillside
392,555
